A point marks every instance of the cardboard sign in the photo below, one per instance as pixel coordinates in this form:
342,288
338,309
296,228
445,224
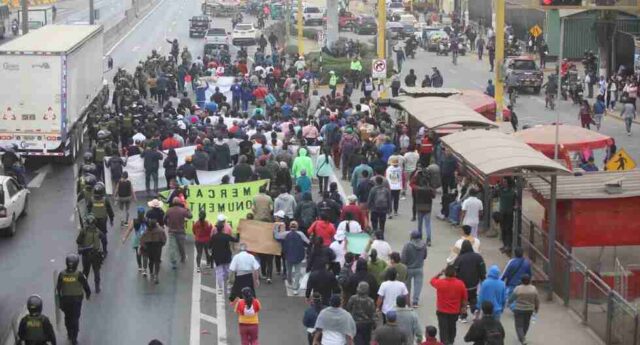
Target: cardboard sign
258,236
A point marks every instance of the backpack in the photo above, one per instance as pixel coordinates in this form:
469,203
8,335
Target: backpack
349,145
493,336
308,215
115,166
380,200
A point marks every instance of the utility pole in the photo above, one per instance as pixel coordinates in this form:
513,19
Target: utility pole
25,16
287,22
300,29
92,17
499,58
382,25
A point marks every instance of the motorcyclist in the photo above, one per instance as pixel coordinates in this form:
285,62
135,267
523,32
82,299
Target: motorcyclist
410,46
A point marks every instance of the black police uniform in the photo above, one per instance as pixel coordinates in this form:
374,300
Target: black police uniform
72,286
36,330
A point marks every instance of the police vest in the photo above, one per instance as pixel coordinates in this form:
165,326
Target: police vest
100,153
99,208
333,80
34,329
71,285
127,122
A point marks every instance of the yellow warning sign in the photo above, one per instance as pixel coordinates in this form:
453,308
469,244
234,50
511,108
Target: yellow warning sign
620,161
535,30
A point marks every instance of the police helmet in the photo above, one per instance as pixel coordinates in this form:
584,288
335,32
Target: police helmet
88,156
90,180
34,305
98,189
90,219
72,261
103,134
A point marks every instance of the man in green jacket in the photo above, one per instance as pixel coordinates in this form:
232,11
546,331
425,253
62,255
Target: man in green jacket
302,162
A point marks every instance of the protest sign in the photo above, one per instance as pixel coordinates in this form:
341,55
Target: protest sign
258,236
357,243
233,200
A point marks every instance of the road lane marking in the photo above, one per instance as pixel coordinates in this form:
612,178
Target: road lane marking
36,182
134,27
135,48
208,289
221,316
194,339
209,319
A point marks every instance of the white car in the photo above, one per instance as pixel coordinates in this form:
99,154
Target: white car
310,15
13,203
409,19
216,36
245,34
395,8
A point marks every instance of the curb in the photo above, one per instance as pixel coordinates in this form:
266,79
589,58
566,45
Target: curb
616,115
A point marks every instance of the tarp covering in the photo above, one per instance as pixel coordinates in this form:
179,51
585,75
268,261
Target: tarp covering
570,138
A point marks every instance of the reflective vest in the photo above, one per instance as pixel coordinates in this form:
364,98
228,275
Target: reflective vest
71,285
356,66
127,122
333,81
34,329
99,208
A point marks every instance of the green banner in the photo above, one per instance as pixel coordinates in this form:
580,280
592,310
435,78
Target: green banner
233,200
357,243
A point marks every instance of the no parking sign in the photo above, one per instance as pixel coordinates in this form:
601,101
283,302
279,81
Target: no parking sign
379,68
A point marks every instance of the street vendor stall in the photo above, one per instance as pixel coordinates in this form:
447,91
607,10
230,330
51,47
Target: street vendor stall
570,139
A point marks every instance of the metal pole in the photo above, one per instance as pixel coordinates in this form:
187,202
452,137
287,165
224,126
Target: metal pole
300,29
517,242
24,4
382,24
287,22
557,139
499,58
92,17
552,234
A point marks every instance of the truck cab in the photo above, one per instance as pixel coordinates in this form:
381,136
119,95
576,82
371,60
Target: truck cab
198,26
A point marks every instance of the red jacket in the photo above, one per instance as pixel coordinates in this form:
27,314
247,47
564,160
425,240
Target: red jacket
170,143
260,92
357,213
450,293
323,229
426,146
202,231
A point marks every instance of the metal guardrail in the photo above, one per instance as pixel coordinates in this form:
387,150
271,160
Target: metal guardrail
614,319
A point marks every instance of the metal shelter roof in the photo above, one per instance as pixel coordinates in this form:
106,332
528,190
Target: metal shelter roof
430,91
493,152
434,112
51,39
591,185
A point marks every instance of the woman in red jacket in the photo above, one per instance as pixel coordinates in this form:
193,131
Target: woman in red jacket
324,229
202,231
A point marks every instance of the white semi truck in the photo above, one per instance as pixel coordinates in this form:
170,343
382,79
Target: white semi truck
49,79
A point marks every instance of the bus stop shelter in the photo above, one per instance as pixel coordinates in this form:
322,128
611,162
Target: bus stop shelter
489,154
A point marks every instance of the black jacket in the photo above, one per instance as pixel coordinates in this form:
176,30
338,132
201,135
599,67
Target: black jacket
323,282
486,331
470,267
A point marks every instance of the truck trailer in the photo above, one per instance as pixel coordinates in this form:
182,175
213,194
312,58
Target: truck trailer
50,78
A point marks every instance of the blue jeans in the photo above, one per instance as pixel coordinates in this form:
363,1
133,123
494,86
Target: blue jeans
425,218
417,276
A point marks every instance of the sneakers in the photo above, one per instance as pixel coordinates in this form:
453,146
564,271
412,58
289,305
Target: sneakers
428,243
268,280
441,217
140,270
198,269
144,273
464,320
295,292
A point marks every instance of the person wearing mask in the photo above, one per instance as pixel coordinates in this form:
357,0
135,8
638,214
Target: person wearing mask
451,300
311,315
138,226
379,202
334,325
175,219
470,268
151,244
363,310
220,245
248,307
487,330
390,333
202,231
493,290
414,253
526,304
408,321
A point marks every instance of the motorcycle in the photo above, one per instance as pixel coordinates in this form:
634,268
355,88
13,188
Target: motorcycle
14,28
443,48
576,93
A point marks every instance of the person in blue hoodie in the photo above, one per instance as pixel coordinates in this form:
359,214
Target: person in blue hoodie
493,290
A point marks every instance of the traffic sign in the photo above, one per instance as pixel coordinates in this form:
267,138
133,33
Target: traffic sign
535,30
620,161
379,68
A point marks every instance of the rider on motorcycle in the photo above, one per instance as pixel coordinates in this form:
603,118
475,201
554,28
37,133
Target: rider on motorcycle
410,46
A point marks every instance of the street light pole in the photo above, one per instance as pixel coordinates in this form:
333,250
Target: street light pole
300,29
499,58
24,4
92,18
382,27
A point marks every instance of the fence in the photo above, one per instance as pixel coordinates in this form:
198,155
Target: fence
604,310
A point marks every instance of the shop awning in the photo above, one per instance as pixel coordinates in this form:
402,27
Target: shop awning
434,112
570,138
495,153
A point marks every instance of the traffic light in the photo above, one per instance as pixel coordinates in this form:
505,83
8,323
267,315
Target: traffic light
560,3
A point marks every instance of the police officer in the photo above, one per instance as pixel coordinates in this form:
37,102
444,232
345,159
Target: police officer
100,152
101,209
89,243
71,288
35,328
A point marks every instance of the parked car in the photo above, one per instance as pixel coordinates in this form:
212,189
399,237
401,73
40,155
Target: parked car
394,8
407,30
529,75
13,203
217,36
365,25
395,30
406,18
245,34
310,15
198,26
